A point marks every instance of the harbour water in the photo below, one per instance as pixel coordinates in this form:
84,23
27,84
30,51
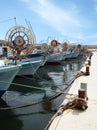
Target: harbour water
30,107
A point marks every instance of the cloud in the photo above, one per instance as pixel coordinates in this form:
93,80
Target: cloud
63,20
70,19
95,5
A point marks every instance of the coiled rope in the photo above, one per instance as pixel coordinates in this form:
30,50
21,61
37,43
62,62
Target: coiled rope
69,105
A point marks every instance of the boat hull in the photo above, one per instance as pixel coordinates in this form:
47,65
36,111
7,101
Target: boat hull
7,74
55,58
29,67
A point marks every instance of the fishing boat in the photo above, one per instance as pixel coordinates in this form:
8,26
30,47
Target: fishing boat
54,58
7,74
67,54
53,52
29,67
71,51
29,63
20,40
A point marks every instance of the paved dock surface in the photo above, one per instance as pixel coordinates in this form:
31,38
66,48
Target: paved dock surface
74,119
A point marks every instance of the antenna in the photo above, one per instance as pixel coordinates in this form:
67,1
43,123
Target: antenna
15,21
30,27
7,20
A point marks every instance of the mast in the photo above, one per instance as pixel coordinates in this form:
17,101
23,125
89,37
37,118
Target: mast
30,28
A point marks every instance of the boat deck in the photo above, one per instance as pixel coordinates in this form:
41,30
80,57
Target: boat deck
74,119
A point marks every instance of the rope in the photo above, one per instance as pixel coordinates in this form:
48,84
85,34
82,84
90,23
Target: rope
59,112
28,86
78,74
7,20
44,80
31,104
35,103
25,105
40,76
69,105
68,82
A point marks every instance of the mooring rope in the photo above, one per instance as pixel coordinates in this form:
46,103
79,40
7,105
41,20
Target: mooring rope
27,86
33,103
38,74
74,103
33,87
7,20
71,104
67,83
45,79
57,94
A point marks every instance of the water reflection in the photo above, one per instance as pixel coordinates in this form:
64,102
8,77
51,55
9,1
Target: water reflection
47,105
8,121
56,77
51,79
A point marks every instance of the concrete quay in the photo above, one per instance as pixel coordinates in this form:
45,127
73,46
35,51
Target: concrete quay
76,119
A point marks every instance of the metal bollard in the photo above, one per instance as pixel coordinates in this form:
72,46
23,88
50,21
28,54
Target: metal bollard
87,70
89,62
90,55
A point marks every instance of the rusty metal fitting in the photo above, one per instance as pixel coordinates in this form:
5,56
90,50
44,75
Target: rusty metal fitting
87,70
89,62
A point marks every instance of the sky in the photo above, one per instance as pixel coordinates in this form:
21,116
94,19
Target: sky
64,20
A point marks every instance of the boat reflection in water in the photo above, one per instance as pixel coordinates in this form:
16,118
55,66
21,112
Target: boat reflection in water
49,80
7,74
8,119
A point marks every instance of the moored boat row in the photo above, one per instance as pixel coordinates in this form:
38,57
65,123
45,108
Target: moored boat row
24,58
79,106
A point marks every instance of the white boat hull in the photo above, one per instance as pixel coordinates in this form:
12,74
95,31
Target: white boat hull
29,67
7,74
55,57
